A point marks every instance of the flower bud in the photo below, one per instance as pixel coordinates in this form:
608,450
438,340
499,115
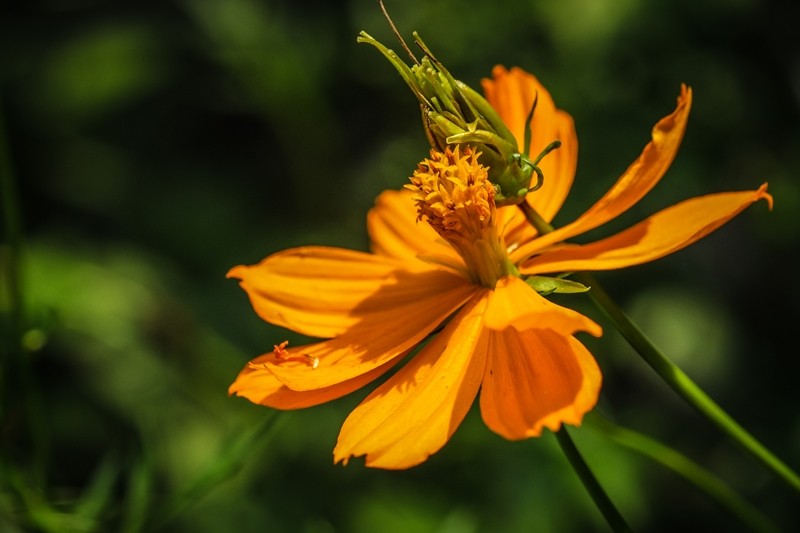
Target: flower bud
453,113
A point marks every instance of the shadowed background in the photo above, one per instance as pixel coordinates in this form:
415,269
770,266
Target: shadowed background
157,144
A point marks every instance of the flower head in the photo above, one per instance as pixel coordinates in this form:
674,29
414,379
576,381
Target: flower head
450,274
453,194
456,281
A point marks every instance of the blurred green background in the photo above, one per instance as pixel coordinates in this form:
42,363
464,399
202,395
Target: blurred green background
156,144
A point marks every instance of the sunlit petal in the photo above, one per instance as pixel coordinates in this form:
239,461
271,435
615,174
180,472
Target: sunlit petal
514,227
260,386
395,232
511,93
416,411
536,379
661,234
636,182
316,291
514,304
395,319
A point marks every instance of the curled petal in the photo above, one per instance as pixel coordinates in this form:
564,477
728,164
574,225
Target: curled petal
260,386
536,379
512,93
395,232
514,304
637,181
316,291
417,410
395,319
665,232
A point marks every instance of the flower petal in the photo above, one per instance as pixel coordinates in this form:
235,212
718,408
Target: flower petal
535,379
665,232
513,303
637,180
514,227
395,232
395,319
417,410
260,386
316,291
511,93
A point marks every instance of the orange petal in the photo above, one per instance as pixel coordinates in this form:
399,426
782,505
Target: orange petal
514,227
417,410
395,319
637,180
315,291
511,94
665,232
260,386
395,232
536,379
513,303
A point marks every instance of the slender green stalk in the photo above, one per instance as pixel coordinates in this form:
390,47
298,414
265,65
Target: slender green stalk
19,391
9,270
685,467
683,384
237,452
599,496
670,372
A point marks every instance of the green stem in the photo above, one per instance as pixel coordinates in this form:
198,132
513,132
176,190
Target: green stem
685,467
19,392
237,452
683,385
670,372
599,496
9,261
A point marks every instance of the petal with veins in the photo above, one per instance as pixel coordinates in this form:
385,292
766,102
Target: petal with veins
661,234
536,379
417,410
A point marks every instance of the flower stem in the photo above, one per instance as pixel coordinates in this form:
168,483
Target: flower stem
685,467
599,496
669,371
683,385
19,392
10,272
237,451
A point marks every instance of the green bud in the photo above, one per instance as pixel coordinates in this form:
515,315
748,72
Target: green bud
453,113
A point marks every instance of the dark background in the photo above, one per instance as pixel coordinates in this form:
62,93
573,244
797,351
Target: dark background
156,144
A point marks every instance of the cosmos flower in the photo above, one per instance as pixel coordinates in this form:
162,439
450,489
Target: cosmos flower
447,291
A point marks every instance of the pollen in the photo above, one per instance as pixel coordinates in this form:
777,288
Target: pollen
453,194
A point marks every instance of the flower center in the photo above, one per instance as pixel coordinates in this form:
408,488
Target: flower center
453,193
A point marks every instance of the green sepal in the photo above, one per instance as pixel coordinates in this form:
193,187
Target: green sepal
453,113
545,285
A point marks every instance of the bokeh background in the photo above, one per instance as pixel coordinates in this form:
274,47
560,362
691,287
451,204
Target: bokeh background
155,144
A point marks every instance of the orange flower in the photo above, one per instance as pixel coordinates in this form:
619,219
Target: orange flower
456,283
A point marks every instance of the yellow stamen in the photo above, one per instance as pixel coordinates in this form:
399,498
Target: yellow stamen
279,350
453,194
282,354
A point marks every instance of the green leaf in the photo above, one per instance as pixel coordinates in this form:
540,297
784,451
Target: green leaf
545,285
